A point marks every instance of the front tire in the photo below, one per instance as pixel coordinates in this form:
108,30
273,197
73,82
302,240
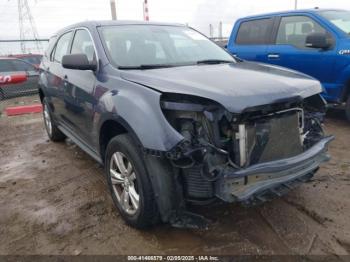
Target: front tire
129,183
51,128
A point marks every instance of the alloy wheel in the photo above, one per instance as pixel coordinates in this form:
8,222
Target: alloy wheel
47,119
124,183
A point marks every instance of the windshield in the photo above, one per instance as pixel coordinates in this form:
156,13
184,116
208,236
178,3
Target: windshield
340,19
139,45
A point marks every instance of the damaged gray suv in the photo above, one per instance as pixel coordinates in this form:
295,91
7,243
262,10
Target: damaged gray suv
176,120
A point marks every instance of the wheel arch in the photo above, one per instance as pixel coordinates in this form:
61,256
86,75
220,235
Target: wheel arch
110,127
346,91
160,172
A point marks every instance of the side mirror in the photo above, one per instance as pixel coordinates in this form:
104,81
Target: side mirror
318,40
78,61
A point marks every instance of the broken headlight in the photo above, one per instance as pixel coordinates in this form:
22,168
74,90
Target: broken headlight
197,120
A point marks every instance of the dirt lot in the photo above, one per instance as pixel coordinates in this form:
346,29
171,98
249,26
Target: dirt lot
54,200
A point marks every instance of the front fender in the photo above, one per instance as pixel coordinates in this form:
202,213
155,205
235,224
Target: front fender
139,109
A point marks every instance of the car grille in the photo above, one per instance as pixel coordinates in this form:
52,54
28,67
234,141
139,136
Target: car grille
273,138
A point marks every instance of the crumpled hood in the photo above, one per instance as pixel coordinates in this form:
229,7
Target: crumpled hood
235,86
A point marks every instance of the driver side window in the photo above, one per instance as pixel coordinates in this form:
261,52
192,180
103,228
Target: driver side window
293,30
82,44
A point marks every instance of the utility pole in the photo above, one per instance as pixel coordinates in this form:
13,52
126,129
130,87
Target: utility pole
113,10
295,4
220,29
27,27
211,30
145,11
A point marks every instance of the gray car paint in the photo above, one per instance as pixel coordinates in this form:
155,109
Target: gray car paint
133,97
235,86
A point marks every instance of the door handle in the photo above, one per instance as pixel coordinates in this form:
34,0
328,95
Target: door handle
65,82
273,56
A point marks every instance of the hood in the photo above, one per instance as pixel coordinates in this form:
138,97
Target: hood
235,86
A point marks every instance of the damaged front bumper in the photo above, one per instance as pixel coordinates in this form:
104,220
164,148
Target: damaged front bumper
258,182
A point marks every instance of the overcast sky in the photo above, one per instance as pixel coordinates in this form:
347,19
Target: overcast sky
51,15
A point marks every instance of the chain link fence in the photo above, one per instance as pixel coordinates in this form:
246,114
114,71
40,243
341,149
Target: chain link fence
19,59
16,47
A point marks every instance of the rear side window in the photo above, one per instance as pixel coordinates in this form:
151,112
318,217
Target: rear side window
6,66
62,46
82,44
254,32
294,29
22,66
48,52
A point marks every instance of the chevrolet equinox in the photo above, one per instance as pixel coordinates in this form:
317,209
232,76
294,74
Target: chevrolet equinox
177,121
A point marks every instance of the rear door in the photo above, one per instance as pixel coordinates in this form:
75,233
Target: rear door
79,87
289,48
252,39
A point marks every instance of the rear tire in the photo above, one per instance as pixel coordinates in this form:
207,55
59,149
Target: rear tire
129,183
347,108
52,130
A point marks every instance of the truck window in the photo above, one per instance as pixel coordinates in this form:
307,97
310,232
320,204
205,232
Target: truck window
339,18
254,32
294,29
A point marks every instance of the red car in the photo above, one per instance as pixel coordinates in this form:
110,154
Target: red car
10,66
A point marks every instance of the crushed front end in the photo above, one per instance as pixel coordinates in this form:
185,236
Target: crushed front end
247,157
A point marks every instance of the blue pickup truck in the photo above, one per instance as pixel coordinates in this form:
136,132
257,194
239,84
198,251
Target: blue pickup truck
315,42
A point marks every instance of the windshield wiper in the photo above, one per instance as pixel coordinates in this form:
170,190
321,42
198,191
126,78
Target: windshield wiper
214,61
142,67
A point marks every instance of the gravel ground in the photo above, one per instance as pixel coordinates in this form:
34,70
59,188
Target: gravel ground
54,200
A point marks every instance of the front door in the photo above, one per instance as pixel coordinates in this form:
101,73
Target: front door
289,49
79,88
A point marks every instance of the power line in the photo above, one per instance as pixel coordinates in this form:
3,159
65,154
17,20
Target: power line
145,11
27,27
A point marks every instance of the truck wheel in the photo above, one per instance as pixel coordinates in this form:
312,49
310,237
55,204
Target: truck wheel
347,109
129,183
51,128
